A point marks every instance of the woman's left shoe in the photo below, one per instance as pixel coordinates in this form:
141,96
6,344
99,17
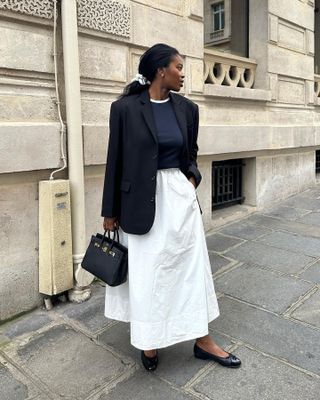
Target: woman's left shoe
231,361
150,363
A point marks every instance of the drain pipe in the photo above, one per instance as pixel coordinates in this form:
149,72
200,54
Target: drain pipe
82,278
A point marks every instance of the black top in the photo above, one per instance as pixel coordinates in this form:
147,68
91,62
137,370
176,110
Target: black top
170,140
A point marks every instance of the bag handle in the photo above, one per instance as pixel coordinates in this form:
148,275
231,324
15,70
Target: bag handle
115,236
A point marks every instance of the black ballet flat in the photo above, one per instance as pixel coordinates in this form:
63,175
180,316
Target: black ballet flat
150,363
231,361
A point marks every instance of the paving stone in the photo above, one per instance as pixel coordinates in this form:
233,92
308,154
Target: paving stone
309,311
41,397
177,363
312,218
291,226
220,243
244,230
259,377
272,257
14,385
270,333
144,385
90,313
217,262
312,274
26,324
118,337
313,192
68,362
283,212
293,242
261,287
304,202
11,388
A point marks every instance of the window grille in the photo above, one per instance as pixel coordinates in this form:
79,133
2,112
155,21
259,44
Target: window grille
317,161
227,183
218,17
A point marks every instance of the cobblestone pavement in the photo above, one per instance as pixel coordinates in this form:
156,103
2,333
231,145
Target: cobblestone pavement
266,269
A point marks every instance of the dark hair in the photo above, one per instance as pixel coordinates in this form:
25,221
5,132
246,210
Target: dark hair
158,56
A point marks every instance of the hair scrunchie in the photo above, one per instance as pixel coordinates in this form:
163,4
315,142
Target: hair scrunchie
141,79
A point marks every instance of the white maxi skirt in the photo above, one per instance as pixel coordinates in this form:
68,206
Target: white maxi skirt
169,296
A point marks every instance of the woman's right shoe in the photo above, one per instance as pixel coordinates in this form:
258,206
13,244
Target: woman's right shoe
150,363
231,361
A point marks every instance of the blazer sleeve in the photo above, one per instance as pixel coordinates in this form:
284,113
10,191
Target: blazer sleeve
112,179
193,166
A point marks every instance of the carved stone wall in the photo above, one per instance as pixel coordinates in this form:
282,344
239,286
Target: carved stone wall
37,8
106,16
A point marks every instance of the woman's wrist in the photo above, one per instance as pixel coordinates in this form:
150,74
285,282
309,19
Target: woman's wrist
110,223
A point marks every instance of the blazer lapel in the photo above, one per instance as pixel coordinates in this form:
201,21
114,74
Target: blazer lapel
148,114
181,117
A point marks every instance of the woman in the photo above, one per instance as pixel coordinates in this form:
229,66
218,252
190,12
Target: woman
149,192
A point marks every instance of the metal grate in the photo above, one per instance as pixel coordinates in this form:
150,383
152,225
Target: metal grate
317,161
227,183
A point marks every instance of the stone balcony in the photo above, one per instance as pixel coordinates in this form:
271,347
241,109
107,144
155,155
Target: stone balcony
227,69
227,75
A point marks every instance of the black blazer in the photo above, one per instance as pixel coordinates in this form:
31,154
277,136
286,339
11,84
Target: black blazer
131,168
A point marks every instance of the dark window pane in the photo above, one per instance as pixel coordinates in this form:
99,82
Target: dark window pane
218,7
222,20
216,25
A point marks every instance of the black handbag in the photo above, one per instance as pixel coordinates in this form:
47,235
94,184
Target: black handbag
107,259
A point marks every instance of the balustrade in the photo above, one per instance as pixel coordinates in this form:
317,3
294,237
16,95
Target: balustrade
228,69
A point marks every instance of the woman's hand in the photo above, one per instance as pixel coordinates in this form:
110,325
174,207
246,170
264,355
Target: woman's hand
110,224
193,181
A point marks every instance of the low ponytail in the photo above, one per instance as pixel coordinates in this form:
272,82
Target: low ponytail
134,87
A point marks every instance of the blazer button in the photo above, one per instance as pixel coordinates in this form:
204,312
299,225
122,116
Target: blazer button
153,177
155,156
152,199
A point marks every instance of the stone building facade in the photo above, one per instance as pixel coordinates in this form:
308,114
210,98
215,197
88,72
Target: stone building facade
252,66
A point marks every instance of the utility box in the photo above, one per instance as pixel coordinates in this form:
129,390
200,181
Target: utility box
55,238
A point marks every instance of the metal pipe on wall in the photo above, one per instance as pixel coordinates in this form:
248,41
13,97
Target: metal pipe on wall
81,291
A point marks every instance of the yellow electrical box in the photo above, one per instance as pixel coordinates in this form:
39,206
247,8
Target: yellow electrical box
55,238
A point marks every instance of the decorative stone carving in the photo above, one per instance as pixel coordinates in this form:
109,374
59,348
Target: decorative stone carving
37,8
227,69
317,85
106,16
